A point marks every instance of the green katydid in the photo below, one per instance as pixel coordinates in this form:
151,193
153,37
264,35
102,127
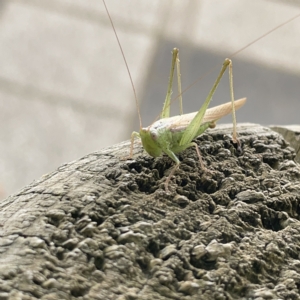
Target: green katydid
171,135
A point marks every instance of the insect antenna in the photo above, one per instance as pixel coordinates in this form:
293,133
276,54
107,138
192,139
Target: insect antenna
230,56
128,71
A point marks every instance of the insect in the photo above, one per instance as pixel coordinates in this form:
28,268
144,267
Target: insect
172,135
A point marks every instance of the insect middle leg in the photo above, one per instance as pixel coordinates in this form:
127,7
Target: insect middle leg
166,108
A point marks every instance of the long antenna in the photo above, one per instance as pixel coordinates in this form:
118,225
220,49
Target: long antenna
233,54
135,96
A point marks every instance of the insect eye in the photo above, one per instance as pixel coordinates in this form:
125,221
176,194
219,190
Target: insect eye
153,136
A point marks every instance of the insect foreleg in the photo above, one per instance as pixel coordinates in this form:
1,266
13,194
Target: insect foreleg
176,160
199,155
170,176
172,155
134,134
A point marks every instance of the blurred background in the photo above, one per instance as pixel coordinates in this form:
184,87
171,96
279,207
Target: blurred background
65,92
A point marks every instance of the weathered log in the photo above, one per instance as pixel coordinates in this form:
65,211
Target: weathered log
291,134
103,228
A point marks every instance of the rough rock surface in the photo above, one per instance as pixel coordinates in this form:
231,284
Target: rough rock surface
102,228
290,133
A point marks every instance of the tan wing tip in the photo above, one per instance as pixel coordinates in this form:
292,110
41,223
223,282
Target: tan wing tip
239,103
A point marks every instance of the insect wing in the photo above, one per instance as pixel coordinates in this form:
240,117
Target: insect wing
217,112
180,123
